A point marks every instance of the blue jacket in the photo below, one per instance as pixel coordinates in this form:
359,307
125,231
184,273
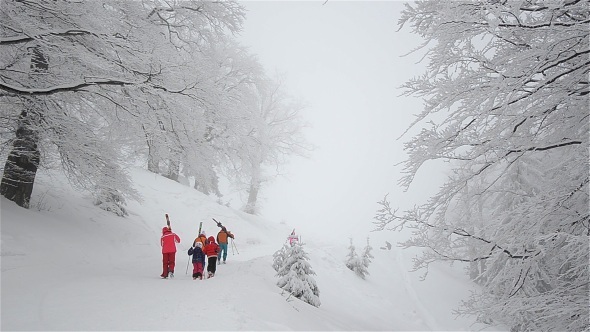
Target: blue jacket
198,255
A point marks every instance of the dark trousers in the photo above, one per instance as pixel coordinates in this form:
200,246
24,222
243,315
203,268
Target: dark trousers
211,264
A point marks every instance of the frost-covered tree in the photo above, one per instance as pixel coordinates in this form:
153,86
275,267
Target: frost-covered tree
295,276
352,256
279,257
367,257
275,132
72,72
191,133
225,128
506,103
356,263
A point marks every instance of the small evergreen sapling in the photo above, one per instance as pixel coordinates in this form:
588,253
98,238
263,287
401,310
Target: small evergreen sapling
356,263
351,257
367,256
296,276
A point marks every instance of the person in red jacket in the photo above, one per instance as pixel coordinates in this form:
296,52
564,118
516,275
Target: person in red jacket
168,242
211,250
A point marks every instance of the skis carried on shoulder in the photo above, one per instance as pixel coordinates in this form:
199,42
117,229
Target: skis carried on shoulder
199,233
218,223
168,221
194,244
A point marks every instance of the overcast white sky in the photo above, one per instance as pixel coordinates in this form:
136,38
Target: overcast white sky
344,58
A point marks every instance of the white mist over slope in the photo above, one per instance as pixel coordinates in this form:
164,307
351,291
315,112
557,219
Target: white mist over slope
67,265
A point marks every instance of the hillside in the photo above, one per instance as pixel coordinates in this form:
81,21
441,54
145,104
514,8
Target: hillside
67,265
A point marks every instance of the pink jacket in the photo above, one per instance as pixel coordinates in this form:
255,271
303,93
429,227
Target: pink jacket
168,241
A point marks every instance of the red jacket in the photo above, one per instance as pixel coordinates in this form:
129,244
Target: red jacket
212,248
168,241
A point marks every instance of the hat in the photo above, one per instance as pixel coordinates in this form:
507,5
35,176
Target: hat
199,244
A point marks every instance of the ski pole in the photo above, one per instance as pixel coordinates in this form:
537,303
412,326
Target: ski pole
189,259
234,246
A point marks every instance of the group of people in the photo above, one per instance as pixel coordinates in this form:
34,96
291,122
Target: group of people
203,247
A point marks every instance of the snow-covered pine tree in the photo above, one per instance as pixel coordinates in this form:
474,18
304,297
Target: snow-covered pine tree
279,257
351,257
296,276
367,256
356,263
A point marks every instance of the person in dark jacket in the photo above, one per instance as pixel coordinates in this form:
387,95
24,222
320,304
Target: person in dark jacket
168,242
198,260
211,250
203,239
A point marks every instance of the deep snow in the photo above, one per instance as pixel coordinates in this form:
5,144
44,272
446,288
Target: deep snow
67,265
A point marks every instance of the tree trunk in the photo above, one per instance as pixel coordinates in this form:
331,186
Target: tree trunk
153,158
23,160
473,267
482,264
173,169
252,197
153,154
22,163
153,162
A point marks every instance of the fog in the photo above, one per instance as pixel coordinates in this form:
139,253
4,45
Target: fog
346,61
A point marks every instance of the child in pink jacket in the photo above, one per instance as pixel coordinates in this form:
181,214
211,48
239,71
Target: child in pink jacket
168,242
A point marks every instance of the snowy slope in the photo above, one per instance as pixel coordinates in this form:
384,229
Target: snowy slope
67,265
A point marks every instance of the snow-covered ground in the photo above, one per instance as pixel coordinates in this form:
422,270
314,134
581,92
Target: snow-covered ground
67,265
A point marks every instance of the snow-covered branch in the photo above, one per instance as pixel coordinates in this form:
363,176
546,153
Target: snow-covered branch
25,39
506,103
70,87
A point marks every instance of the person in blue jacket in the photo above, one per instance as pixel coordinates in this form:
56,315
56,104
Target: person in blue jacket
198,260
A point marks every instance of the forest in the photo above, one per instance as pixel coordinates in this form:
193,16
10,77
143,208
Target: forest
93,87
